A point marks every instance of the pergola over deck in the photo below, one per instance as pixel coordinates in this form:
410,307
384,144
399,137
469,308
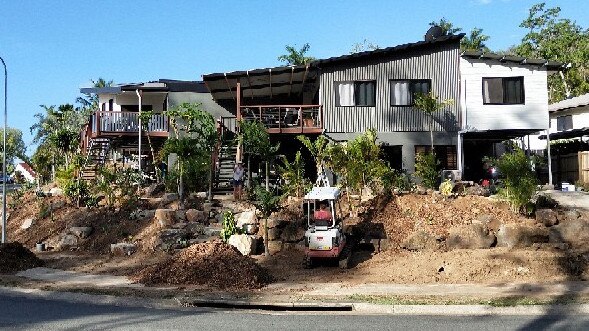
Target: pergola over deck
280,97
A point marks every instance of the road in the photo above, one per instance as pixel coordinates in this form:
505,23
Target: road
22,311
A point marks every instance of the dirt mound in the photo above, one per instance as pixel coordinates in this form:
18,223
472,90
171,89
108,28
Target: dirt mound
213,264
406,214
15,257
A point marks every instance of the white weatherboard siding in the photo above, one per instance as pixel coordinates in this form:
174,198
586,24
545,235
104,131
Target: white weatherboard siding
155,99
580,117
533,114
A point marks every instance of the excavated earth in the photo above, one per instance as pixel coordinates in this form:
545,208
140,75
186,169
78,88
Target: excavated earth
15,257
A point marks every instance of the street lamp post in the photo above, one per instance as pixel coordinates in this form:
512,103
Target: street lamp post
4,156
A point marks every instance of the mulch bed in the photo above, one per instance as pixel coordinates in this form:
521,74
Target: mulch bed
214,264
15,257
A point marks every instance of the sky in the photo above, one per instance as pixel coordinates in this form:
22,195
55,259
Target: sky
52,48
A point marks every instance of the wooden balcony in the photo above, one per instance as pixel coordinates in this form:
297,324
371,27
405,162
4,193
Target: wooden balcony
118,124
285,118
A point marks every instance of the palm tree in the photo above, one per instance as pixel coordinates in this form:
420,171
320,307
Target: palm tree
91,101
475,41
296,57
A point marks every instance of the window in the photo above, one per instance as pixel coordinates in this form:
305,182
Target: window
110,105
564,123
446,154
503,91
403,91
359,93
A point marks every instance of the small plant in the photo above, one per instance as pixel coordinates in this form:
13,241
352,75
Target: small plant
446,188
520,180
293,174
229,226
16,198
400,180
426,168
76,190
266,202
44,209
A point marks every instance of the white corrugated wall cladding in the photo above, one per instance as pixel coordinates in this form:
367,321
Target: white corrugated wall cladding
440,65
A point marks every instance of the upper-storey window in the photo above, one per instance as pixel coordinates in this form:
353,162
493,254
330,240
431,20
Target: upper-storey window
564,123
503,91
358,93
403,91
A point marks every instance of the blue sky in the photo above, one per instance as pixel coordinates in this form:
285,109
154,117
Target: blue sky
52,48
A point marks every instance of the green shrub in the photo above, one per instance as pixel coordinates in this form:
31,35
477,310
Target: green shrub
229,226
426,168
293,174
446,187
519,179
76,190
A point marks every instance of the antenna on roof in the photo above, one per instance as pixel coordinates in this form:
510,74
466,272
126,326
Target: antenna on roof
433,33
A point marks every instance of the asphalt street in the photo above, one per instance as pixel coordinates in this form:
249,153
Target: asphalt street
18,312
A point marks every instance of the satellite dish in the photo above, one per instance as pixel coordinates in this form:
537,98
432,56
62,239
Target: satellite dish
434,33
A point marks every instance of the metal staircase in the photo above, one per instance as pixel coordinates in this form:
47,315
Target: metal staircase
224,169
95,157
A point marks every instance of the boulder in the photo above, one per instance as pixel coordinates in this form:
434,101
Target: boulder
490,222
195,228
165,217
546,217
168,198
245,244
146,214
66,241
201,195
155,189
193,215
521,235
246,217
477,190
211,231
274,246
292,234
122,249
57,204
81,232
568,215
273,233
180,215
420,190
420,240
472,236
27,223
573,232
274,222
207,207
56,191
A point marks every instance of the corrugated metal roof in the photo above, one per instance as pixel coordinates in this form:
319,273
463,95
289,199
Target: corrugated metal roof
550,65
580,101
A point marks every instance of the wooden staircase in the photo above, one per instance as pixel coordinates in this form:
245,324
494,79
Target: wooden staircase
95,157
224,172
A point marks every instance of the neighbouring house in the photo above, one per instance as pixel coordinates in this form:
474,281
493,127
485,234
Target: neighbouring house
112,133
568,134
26,171
495,97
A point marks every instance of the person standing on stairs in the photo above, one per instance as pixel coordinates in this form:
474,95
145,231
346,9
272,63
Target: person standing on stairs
237,181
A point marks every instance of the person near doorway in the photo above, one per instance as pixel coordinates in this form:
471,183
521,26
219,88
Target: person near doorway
238,173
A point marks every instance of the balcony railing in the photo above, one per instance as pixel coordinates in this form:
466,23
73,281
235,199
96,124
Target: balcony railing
286,118
119,122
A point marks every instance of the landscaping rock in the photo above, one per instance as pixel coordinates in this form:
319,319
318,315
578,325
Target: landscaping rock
245,244
195,228
472,236
275,222
273,233
210,231
155,189
207,207
521,235
573,232
27,223
246,217
292,234
568,215
57,204
201,195
420,240
490,222
146,214
193,215
180,215
81,232
274,246
66,241
546,217
55,191
420,190
168,198
122,249
165,217
477,190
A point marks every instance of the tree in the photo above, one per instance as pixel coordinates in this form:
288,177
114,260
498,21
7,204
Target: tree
266,202
194,140
365,45
475,41
447,26
90,101
319,150
15,146
429,104
296,57
553,38
293,174
256,141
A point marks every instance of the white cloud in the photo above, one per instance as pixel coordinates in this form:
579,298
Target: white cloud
484,2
